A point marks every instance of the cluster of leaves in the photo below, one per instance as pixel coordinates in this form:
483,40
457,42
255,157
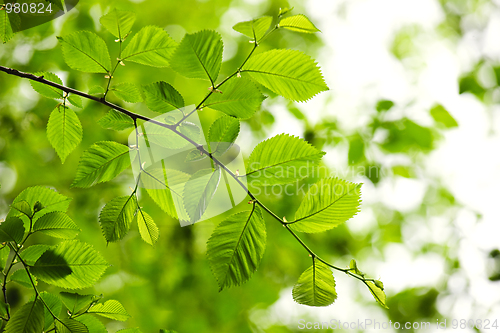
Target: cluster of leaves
70,264
236,246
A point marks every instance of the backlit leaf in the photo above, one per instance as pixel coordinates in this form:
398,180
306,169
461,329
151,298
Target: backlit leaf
199,55
116,217
199,191
377,292
110,309
116,121
162,97
28,319
298,23
254,29
86,52
57,224
64,131
102,162
151,46
147,227
12,230
46,90
222,133
50,200
128,92
316,286
236,247
328,203
118,22
289,73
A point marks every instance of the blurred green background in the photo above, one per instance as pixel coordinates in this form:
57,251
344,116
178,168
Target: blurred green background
381,139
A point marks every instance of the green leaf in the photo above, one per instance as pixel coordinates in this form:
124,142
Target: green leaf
31,254
384,105
281,159
86,52
284,11
254,29
96,90
64,131
157,186
110,309
289,73
75,100
239,98
442,116
316,286
377,292
12,230
22,206
356,149
70,265
164,137
116,217
28,319
128,92
92,323
50,200
4,309
151,46
328,203
9,24
118,22
116,121
57,224
195,155
199,55
236,247
298,23
102,162
4,255
222,133
354,267
54,304
46,90
162,97
147,227
199,191
76,303
21,276
69,325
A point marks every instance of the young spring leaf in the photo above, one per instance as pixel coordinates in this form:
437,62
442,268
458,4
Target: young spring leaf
240,98
86,52
199,55
92,323
64,131
21,276
222,133
377,292
96,90
116,121
4,255
284,11
12,230
199,191
57,224
128,92
281,159
316,286
157,185
50,200
22,206
46,90
298,23
70,265
9,23
110,309
75,100
328,203
147,227
236,247
162,97
254,29
69,325
118,22
28,319
55,306
151,46
442,116
116,217
76,303
102,162
31,254
289,73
